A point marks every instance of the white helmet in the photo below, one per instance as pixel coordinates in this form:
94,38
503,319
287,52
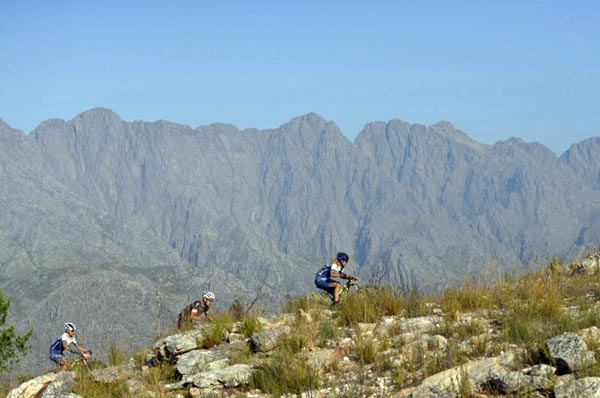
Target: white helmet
208,295
69,327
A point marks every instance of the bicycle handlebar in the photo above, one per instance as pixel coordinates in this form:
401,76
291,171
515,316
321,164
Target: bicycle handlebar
352,282
84,354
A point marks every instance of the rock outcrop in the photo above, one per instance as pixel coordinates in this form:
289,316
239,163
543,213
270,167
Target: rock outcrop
442,353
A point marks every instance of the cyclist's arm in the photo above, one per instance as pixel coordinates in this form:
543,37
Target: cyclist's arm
81,348
67,347
194,315
335,271
336,274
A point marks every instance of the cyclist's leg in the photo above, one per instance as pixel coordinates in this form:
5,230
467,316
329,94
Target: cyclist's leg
336,286
60,360
328,285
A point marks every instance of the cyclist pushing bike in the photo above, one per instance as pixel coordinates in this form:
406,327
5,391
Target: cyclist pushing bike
62,344
323,278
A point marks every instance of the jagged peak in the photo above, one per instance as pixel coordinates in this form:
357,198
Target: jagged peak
395,123
446,128
442,128
218,127
444,124
311,125
90,115
6,127
584,143
381,125
517,142
311,118
167,124
49,124
533,147
510,141
587,146
99,112
374,127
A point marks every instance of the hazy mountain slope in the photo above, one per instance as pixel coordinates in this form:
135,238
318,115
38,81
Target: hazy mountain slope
137,218
584,158
442,205
64,255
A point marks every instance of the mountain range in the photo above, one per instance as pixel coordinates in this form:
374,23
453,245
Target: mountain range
116,225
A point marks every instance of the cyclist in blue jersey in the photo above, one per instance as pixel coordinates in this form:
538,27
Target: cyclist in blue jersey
323,278
62,344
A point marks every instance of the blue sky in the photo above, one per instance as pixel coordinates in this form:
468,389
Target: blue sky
494,69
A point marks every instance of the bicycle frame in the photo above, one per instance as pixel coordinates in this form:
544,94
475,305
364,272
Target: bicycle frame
344,290
80,361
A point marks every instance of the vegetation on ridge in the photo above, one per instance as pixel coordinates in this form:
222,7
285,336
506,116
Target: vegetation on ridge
476,320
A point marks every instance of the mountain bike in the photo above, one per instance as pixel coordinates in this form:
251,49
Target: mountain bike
352,282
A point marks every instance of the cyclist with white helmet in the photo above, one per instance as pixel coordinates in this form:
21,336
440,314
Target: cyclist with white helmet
62,344
197,311
323,278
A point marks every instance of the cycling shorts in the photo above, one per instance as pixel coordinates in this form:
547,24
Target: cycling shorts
56,356
325,284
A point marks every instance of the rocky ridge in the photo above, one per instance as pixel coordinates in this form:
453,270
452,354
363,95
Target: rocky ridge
342,365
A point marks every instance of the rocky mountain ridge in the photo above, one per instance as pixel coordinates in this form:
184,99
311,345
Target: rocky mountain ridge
98,214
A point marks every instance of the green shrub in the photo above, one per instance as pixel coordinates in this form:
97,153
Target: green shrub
157,376
369,304
522,331
305,303
327,331
85,386
462,385
285,373
241,356
452,327
468,297
450,357
365,349
215,332
300,337
414,304
116,355
250,325
139,357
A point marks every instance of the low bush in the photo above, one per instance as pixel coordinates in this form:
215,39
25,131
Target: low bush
216,331
327,332
369,305
250,325
285,373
